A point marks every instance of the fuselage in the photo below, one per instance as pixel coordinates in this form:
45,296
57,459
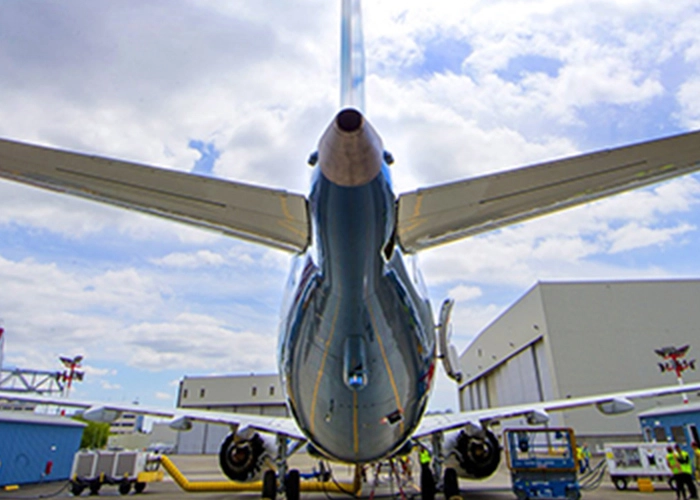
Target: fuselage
357,343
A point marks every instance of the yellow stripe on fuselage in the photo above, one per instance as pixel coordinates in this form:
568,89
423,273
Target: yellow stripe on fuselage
378,335
322,367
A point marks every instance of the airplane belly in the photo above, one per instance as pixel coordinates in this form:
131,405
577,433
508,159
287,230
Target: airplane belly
353,422
358,343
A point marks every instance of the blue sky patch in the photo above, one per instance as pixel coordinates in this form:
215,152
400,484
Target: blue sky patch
442,55
205,164
520,66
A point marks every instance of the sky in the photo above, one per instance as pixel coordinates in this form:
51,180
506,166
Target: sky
242,90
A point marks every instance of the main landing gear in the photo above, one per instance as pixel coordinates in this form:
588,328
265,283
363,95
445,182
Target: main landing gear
429,487
450,482
290,485
290,480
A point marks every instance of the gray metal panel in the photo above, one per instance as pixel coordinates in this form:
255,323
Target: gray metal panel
511,332
231,390
191,442
85,464
603,336
214,437
440,214
268,216
597,337
125,464
105,463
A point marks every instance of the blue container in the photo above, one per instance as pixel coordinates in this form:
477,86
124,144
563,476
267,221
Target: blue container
678,424
37,448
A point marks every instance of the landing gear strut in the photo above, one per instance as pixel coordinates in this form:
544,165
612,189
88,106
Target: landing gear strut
289,480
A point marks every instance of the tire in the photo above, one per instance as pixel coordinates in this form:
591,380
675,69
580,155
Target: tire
291,485
427,483
619,482
520,495
269,490
124,487
139,487
95,487
573,494
451,485
76,488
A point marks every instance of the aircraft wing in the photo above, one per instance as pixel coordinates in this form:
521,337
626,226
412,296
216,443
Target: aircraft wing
272,217
101,411
610,404
435,215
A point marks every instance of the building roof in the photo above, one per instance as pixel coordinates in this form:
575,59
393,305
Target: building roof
22,417
671,410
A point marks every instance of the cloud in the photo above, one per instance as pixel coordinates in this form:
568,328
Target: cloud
109,386
163,396
454,92
689,100
462,293
191,260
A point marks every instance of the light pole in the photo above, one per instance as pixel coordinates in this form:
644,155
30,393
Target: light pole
674,362
72,364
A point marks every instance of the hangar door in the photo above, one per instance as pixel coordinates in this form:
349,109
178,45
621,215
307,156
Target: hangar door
522,378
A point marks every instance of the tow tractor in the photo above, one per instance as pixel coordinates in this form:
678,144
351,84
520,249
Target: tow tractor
542,463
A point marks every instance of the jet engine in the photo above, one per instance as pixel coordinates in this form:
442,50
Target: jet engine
242,455
474,454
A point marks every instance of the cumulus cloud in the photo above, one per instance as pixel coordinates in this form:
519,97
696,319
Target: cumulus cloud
454,92
191,260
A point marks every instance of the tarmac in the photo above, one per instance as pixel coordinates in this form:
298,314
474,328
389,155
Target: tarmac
205,468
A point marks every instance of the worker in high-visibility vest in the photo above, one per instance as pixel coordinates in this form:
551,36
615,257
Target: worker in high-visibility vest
686,466
424,457
676,482
696,449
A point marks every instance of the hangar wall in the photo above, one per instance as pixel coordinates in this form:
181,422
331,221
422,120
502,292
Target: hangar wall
250,394
582,338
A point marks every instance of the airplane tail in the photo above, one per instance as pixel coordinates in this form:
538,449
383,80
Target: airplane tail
352,57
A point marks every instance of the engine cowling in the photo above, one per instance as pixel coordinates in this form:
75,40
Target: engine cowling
242,456
473,455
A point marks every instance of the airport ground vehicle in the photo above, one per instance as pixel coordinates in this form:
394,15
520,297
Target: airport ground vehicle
542,463
124,469
629,462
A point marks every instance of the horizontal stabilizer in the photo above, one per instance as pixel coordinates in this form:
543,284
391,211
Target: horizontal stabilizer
272,217
439,214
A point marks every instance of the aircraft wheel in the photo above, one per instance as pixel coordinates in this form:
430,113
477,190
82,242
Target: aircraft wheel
291,485
451,484
139,487
76,488
124,487
269,485
620,483
427,483
95,487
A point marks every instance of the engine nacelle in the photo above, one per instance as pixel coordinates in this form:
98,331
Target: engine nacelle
242,456
474,455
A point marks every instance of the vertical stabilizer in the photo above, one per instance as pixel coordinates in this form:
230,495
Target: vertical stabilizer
352,57
2,344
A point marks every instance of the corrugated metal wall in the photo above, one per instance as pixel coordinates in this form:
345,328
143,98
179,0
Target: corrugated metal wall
27,446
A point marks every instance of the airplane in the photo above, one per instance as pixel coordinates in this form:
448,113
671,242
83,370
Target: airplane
359,344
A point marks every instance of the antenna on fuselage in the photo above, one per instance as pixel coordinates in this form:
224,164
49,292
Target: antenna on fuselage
352,57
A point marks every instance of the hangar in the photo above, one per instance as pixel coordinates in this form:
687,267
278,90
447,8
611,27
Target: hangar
252,394
567,339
